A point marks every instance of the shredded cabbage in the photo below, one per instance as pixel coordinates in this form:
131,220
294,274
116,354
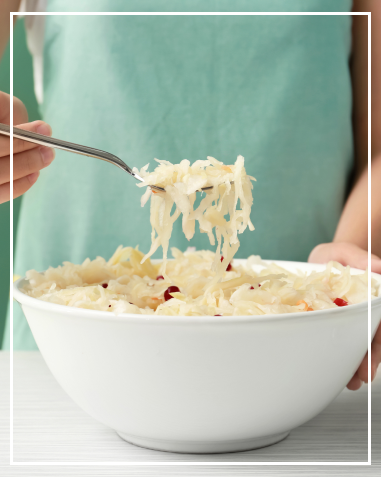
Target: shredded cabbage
133,287
204,283
218,212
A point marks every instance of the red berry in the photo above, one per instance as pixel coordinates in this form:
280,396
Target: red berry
160,277
340,302
104,285
109,306
168,291
229,267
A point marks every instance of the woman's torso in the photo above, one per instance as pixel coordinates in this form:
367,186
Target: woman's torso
275,89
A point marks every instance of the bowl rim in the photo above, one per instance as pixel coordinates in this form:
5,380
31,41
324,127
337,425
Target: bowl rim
35,303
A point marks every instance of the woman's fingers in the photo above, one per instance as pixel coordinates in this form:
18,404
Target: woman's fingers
346,254
18,145
4,193
26,163
28,159
19,187
20,114
25,183
360,260
355,383
376,357
375,264
376,351
362,371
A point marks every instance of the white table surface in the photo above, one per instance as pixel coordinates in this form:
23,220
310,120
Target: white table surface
50,427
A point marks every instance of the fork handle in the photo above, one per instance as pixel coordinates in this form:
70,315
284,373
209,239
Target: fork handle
64,145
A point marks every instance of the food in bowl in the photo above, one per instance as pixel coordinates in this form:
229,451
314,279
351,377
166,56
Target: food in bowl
224,211
197,283
125,285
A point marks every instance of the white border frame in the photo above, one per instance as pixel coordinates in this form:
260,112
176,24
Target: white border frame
127,464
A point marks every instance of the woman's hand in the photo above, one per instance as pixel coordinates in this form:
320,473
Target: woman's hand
28,158
354,256
346,254
361,375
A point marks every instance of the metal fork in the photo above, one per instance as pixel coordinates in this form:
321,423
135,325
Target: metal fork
76,148
71,147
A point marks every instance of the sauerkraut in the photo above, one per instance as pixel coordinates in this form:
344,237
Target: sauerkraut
197,283
125,285
224,212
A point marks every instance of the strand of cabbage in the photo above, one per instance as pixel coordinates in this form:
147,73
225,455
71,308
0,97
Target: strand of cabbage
222,214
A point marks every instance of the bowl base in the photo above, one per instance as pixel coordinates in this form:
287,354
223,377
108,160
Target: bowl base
203,447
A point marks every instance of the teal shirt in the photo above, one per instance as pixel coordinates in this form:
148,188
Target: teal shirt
275,89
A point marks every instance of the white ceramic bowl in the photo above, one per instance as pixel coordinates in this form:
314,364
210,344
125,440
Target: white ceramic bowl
201,384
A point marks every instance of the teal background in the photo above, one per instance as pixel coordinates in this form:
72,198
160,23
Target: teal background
23,89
